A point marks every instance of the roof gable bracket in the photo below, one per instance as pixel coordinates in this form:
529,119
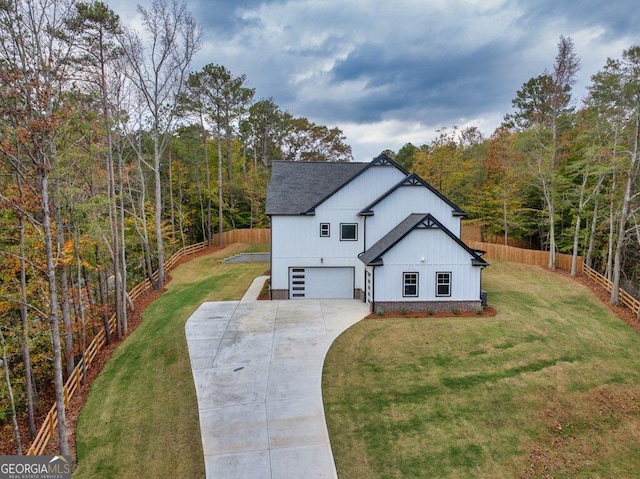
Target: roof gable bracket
412,180
428,224
382,160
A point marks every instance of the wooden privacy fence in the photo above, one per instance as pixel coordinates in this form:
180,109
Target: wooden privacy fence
470,231
524,256
48,429
625,298
255,235
563,261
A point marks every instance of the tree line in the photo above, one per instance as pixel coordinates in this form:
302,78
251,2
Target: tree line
555,175
113,154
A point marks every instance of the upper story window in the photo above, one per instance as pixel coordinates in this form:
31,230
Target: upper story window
325,230
410,284
348,231
443,284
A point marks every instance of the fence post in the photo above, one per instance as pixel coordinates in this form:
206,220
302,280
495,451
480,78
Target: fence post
52,429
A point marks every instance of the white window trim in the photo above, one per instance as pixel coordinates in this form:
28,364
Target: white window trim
405,284
448,283
328,230
349,224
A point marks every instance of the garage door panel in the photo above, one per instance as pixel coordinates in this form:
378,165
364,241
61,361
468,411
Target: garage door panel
320,283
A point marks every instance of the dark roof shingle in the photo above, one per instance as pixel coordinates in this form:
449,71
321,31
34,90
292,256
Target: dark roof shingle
296,187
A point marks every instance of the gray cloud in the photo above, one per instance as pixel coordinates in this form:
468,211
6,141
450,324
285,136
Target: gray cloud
617,17
359,64
448,83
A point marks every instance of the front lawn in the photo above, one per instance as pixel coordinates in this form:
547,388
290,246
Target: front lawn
550,387
141,417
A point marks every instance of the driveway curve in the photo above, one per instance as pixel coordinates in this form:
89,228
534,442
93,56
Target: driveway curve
257,368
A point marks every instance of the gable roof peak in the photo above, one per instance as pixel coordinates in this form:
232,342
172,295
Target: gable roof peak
385,160
382,159
373,256
412,179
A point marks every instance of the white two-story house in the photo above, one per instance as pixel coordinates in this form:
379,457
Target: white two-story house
369,231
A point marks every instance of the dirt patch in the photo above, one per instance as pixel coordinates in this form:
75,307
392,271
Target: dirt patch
570,442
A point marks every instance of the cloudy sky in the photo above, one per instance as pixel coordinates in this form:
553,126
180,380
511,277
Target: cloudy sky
388,72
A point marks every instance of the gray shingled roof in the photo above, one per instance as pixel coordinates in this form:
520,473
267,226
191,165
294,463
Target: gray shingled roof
296,186
373,256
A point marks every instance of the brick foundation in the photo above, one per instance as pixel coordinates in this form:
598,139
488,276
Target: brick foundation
358,294
279,294
426,306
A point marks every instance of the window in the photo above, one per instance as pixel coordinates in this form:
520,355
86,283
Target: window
324,230
348,231
410,284
443,284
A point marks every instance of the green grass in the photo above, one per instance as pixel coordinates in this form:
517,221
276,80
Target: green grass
141,417
550,387
258,248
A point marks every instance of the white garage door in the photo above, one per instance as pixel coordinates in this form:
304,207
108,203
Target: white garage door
320,283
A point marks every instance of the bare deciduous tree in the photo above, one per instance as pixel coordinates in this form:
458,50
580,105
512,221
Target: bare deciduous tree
158,66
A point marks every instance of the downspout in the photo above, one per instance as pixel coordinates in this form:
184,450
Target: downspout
364,248
271,258
364,227
364,282
481,275
373,289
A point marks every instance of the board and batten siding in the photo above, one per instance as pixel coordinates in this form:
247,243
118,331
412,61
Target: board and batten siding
297,243
363,190
403,202
296,240
440,254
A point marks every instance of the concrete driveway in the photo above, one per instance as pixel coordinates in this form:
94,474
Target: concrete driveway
257,367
